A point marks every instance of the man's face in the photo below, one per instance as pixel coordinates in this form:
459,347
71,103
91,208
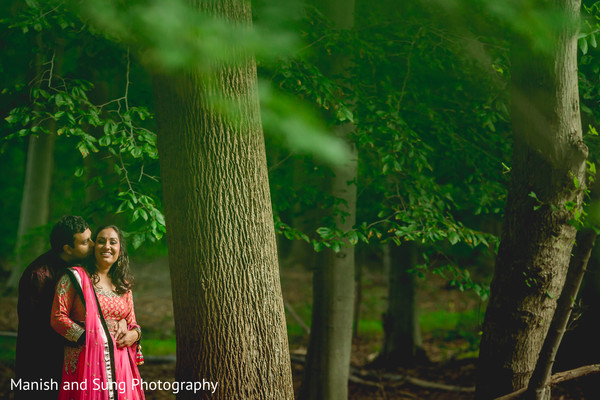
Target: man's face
82,246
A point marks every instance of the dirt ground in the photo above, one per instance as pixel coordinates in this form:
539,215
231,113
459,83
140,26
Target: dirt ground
154,309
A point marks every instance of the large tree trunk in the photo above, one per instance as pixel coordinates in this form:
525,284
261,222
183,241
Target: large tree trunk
549,155
402,339
228,307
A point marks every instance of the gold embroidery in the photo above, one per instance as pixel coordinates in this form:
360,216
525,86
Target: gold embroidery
71,358
107,293
63,285
74,332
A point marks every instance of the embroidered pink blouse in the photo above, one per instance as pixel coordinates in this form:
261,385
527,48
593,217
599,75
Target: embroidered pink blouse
68,312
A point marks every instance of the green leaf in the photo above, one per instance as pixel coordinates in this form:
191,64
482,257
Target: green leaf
104,141
336,247
534,196
352,237
344,114
454,238
583,45
83,149
136,152
325,233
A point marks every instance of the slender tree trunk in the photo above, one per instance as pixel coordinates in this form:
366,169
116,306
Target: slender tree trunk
549,157
578,346
327,366
35,204
402,338
228,308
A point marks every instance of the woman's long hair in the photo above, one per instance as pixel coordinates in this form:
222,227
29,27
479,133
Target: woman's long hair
119,272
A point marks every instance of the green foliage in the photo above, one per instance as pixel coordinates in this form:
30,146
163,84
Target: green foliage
590,28
589,88
450,325
533,23
7,349
174,34
117,129
460,278
159,347
299,128
407,192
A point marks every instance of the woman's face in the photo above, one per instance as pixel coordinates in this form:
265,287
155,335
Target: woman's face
108,247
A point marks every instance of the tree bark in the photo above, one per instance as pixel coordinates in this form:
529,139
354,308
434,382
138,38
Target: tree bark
358,293
35,204
538,384
328,358
402,338
228,307
578,346
548,157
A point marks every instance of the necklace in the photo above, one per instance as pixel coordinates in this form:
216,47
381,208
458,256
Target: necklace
101,289
105,292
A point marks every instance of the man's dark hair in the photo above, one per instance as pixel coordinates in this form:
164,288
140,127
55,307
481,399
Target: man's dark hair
64,231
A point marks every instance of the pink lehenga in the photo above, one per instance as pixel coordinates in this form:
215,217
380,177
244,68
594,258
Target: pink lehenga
98,369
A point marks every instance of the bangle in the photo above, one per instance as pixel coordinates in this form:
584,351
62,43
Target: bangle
139,331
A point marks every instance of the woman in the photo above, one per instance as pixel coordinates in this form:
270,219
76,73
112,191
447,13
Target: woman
89,302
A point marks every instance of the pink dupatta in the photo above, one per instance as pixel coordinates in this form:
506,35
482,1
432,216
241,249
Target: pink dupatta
103,371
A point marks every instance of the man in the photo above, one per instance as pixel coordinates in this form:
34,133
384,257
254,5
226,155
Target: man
40,350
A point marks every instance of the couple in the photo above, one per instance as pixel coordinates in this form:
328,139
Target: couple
77,325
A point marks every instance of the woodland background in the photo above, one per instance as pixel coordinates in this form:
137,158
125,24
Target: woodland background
372,148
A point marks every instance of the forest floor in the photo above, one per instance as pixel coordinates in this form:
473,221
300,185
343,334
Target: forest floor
450,322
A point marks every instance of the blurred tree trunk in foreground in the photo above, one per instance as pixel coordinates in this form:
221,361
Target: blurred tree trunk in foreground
548,173
228,307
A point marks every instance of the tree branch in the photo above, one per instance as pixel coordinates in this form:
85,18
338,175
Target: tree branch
538,383
557,378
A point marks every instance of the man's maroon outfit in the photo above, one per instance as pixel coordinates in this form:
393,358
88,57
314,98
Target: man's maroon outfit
40,350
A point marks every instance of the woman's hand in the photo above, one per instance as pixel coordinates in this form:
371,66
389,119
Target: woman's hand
121,329
127,339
